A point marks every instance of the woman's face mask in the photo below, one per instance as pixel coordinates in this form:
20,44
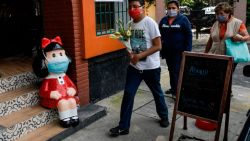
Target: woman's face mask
222,17
172,13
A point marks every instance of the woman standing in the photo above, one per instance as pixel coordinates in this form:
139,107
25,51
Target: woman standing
226,26
176,36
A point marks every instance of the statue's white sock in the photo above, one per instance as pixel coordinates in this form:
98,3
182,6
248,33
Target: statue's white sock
73,113
65,115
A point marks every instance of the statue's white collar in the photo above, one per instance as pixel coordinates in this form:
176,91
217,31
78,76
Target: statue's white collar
55,75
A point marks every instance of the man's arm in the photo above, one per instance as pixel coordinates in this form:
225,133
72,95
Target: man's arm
156,46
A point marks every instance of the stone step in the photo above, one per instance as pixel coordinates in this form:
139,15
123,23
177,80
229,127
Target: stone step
54,132
17,81
18,99
24,121
44,133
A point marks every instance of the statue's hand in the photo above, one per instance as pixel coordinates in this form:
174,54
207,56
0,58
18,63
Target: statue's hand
71,91
55,95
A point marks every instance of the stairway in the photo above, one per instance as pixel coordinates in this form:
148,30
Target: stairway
21,116
20,112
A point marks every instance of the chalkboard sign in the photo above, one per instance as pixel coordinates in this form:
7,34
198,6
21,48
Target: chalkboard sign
203,83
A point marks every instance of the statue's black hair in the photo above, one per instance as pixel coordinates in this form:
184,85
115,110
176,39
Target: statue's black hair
39,67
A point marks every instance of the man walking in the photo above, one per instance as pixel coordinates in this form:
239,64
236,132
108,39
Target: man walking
144,65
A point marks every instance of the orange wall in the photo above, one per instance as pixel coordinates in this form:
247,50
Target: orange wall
95,45
150,11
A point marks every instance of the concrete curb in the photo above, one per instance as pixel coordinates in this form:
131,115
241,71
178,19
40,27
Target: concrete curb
87,115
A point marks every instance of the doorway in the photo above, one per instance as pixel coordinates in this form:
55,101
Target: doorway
20,27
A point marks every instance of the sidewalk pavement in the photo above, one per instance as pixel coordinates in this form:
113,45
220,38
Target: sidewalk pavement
144,123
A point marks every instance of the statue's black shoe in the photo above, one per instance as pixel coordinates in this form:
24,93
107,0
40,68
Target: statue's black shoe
74,121
65,123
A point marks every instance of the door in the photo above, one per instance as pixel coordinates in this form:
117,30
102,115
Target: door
20,27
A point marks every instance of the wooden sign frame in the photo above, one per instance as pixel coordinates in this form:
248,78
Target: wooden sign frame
224,95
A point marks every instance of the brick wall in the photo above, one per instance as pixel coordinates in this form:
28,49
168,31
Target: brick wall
240,9
160,10
63,18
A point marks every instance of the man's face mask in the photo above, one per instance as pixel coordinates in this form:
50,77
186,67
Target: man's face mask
135,11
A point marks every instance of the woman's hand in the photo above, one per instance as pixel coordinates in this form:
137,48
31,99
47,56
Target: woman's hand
209,45
55,95
237,38
71,91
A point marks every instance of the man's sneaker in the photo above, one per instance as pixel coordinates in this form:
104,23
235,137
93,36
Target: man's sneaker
114,132
164,123
169,91
174,97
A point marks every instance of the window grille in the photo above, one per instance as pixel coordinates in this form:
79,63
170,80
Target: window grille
106,15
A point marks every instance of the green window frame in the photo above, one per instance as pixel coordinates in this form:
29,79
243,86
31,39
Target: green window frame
107,13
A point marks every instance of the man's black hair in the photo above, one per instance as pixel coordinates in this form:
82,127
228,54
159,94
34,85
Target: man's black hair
176,2
142,2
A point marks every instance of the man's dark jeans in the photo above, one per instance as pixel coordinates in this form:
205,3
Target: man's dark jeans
133,80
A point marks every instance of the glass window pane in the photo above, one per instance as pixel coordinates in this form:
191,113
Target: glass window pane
106,15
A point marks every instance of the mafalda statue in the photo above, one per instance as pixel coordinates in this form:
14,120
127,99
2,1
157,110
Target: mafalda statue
57,90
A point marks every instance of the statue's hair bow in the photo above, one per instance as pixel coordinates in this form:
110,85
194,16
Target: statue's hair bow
46,41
